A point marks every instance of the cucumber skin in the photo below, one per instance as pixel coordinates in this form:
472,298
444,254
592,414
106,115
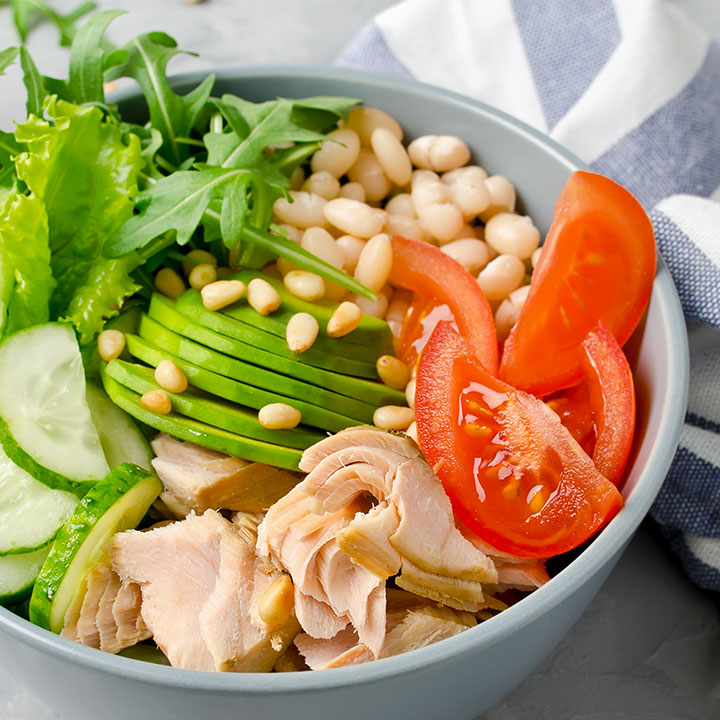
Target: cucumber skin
76,531
22,594
41,474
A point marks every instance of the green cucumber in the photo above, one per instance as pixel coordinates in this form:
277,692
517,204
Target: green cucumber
116,503
260,387
30,512
47,429
276,370
190,304
201,434
121,439
212,411
18,574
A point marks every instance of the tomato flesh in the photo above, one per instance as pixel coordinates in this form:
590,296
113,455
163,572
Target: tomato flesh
597,264
572,406
422,317
513,472
435,276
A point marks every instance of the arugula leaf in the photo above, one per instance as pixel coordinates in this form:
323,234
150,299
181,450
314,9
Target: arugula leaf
26,281
25,13
85,169
7,58
9,148
34,84
88,58
172,114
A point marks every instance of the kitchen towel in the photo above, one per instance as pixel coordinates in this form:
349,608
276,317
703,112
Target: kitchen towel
633,88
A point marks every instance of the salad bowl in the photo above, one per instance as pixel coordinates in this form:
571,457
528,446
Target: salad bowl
459,677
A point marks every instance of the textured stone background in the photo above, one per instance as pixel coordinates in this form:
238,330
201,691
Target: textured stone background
648,647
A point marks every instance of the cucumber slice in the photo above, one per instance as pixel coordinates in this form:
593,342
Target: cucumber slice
190,305
121,439
267,371
221,414
192,359
200,433
30,512
116,503
42,401
18,574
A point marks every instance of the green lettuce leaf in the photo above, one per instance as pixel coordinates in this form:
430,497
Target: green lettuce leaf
9,147
26,281
26,12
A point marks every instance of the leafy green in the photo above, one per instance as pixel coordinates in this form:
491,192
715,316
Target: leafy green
9,147
7,58
27,12
34,84
85,171
26,281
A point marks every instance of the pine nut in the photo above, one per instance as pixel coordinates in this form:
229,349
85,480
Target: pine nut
170,377
337,154
505,318
353,191
322,183
442,220
471,253
279,416
411,432
200,257
407,226
519,296
169,283
322,244
375,308
375,262
393,372
285,266
438,152
369,173
157,401
351,248
410,392
501,276
468,189
401,204
222,293
393,417
535,257
364,120
502,196
277,602
301,332
391,155
305,211
354,218
512,234
202,275
305,285
262,296
297,178
344,320
110,344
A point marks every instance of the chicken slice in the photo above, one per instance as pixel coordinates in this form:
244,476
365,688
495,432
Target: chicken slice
206,561
340,651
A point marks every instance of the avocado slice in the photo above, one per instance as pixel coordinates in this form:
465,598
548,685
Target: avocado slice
199,433
372,333
219,413
148,350
190,305
278,370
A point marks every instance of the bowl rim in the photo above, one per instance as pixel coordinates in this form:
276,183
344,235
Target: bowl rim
605,546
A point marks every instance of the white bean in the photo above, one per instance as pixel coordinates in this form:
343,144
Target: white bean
393,417
353,190
442,220
351,248
305,285
375,262
364,120
401,204
397,309
322,244
406,226
535,257
297,178
428,190
501,276
391,155
293,234
285,266
410,392
468,189
305,211
354,218
505,318
471,253
369,173
322,183
337,154
519,296
502,196
512,234
438,152
376,308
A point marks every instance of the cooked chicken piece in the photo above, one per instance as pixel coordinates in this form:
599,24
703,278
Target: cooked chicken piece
106,612
207,563
339,651
199,479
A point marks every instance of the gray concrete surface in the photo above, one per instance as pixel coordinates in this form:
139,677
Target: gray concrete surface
648,647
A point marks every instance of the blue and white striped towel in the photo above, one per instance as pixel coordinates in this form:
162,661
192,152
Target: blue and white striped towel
633,88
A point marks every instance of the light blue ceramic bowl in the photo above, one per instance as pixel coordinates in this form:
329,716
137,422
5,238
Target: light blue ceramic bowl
456,678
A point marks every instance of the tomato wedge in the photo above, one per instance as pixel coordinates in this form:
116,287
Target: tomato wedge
573,408
420,321
433,275
597,264
514,474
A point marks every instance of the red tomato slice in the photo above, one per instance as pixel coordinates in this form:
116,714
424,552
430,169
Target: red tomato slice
514,474
572,406
422,317
597,264
612,399
433,275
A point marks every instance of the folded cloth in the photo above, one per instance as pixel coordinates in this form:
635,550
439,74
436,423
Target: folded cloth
632,88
